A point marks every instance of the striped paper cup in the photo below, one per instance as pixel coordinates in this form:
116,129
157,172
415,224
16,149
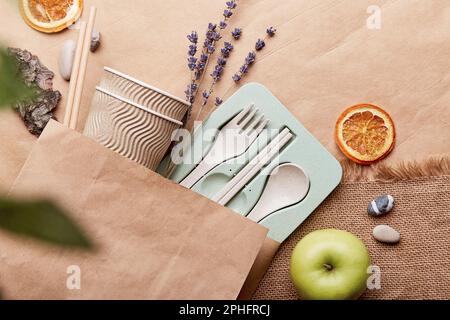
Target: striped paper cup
136,132
143,94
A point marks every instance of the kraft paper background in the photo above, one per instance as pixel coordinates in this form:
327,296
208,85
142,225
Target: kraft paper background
322,60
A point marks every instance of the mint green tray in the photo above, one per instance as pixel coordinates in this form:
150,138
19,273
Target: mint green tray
322,168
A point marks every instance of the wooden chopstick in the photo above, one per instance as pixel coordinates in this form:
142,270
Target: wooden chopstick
82,71
74,74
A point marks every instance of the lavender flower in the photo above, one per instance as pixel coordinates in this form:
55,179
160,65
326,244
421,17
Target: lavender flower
212,26
228,46
236,77
236,33
271,31
199,64
208,45
211,49
251,57
199,70
205,96
221,61
212,35
192,63
218,101
217,73
203,58
244,68
191,89
192,50
227,13
226,50
231,4
193,37
259,44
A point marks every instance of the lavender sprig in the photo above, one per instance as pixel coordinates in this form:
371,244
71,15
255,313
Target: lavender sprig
251,56
211,37
249,60
216,75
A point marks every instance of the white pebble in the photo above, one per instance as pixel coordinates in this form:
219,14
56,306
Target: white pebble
66,57
386,234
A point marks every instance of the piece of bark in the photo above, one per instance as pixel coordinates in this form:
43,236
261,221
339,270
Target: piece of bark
37,112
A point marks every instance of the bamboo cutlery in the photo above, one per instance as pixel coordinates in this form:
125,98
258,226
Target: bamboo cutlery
232,141
287,185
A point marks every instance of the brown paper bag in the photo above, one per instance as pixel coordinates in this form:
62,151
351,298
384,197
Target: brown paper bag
259,268
154,238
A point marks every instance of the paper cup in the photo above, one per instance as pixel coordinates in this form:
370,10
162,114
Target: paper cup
143,94
138,133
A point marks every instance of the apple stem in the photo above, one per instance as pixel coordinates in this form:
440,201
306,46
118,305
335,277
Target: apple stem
327,266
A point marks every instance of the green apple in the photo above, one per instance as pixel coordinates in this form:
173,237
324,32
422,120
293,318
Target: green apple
330,264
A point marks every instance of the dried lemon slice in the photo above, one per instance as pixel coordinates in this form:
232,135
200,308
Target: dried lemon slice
365,133
50,15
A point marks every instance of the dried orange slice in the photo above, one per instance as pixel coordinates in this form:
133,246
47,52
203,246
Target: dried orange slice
50,15
365,133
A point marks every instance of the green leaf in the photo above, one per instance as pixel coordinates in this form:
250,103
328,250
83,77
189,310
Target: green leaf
42,220
12,86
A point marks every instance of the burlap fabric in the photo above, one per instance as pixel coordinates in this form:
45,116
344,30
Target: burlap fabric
416,268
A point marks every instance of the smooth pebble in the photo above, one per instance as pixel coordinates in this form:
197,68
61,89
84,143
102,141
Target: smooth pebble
386,234
381,205
66,57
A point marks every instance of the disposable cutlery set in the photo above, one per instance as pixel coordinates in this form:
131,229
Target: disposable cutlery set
254,166
263,163
232,141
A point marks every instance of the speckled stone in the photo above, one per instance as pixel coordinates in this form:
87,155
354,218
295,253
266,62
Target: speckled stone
95,40
380,205
386,234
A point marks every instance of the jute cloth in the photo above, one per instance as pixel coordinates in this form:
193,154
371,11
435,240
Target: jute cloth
416,268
